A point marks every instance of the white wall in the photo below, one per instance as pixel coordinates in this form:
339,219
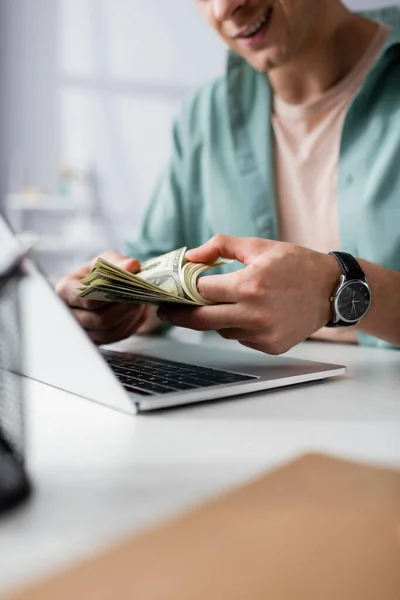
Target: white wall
28,136
126,66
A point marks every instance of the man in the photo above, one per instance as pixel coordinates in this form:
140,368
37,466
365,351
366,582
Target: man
298,142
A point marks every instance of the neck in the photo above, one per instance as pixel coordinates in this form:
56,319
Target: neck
338,40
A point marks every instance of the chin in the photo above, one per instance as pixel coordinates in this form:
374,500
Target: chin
266,60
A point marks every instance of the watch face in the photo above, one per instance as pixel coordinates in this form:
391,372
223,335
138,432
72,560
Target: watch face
353,301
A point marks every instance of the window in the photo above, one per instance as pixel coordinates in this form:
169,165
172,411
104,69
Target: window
125,67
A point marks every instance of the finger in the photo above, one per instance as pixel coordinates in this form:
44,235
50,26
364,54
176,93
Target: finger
239,334
220,288
204,318
118,333
252,346
124,262
225,246
109,317
68,290
68,287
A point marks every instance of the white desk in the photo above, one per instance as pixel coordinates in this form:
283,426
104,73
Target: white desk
100,475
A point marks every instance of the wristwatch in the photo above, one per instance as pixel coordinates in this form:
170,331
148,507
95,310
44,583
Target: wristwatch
352,299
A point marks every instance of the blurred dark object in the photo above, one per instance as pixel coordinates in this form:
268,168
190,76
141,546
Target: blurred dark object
14,483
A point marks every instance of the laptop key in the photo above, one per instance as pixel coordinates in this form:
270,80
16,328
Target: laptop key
232,378
158,389
131,388
198,382
168,383
154,379
180,385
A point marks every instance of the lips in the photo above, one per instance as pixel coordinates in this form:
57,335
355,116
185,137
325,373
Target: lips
254,28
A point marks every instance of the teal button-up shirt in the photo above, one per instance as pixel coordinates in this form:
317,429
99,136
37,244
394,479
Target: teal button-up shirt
220,178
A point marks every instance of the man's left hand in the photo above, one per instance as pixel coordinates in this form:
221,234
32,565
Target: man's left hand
280,298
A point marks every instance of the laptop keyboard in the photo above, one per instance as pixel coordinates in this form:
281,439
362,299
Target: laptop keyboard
151,376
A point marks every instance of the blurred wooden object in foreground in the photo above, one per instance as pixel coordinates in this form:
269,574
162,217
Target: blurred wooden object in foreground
318,528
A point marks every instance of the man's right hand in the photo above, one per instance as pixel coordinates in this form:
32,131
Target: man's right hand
104,322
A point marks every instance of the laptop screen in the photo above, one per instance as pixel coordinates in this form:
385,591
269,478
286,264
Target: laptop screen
14,484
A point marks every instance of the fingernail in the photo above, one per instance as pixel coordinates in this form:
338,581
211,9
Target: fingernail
130,264
191,251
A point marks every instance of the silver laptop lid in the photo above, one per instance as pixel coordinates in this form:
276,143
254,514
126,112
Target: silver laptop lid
56,350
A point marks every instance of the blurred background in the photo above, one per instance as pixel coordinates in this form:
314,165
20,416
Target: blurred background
89,89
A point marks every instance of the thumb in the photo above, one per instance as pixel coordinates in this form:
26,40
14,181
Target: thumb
226,246
129,264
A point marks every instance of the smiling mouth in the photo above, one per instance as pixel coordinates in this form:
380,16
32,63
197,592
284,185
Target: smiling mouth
255,28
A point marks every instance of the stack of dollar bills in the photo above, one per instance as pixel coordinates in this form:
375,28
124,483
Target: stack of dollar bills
166,279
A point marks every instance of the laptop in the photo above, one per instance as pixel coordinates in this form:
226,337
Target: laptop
153,374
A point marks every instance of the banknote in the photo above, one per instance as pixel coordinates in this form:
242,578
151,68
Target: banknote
165,279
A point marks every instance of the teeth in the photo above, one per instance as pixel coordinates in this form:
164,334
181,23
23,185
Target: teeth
252,30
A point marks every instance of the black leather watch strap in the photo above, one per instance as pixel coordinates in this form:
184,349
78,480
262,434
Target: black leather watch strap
332,325
352,271
350,267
